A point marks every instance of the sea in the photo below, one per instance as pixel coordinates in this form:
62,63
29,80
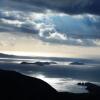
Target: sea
61,73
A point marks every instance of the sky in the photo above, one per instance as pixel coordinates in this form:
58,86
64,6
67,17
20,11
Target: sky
58,28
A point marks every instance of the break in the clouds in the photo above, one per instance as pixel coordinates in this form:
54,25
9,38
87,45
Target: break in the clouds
53,27
68,22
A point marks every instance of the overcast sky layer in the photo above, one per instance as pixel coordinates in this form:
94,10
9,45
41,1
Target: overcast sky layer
71,25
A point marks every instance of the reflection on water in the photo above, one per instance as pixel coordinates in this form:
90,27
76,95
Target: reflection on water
62,76
62,84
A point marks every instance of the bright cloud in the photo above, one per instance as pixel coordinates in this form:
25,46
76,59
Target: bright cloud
53,27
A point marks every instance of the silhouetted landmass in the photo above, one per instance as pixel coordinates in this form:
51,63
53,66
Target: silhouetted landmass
92,88
40,63
26,63
77,63
5,55
15,86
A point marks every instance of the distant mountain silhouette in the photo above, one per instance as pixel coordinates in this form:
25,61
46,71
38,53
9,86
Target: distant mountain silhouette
15,86
5,55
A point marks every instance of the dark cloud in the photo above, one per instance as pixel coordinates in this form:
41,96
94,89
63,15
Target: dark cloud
19,6
82,30
67,6
24,16
12,21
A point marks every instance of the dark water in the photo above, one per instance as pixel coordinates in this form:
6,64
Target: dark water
62,76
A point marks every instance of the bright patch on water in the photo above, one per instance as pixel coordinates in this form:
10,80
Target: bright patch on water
63,84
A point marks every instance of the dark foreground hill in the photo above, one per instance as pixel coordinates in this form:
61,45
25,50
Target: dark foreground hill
15,86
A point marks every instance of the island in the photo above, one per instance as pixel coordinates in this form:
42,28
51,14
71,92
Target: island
40,63
77,63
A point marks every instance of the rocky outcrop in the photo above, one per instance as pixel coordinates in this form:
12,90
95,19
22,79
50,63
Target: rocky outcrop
92,88
15,85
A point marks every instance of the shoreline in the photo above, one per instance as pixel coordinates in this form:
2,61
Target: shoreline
15,85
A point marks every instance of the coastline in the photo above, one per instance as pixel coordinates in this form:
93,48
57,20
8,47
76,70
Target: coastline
15,85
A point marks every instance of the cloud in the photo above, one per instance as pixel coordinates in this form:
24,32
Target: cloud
82,30
67,6
53,27
7,39
12,23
